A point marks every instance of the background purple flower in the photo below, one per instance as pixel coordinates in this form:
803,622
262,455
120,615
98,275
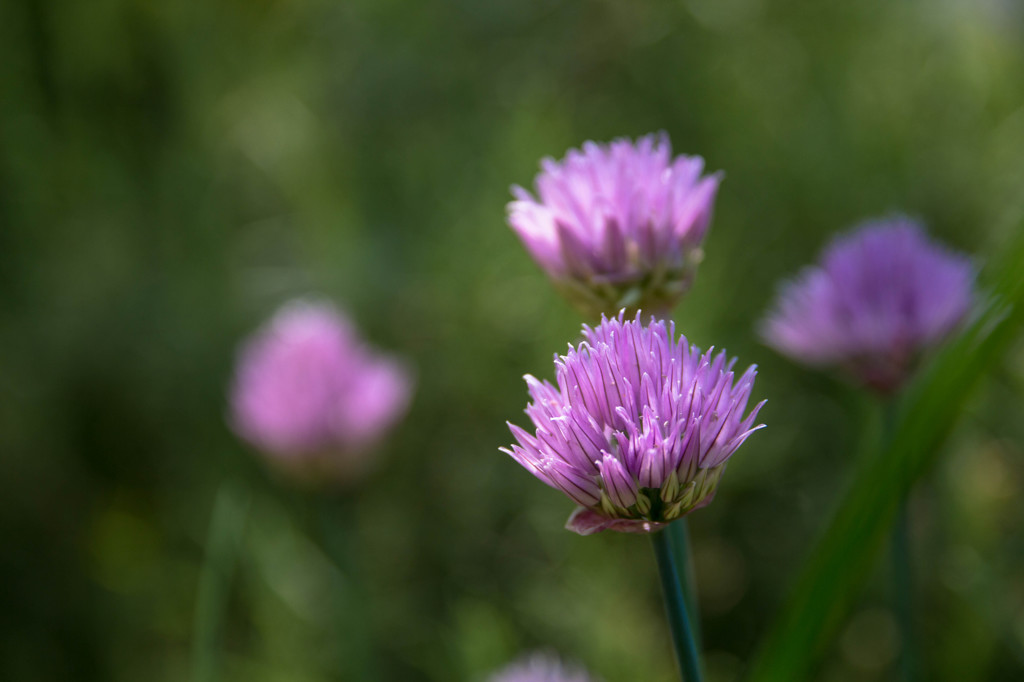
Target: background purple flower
640,427
882,294
620,225
540,668
312,395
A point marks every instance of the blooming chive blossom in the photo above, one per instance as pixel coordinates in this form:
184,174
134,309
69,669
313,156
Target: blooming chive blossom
540,668
313,396
881,296
620,225
639,428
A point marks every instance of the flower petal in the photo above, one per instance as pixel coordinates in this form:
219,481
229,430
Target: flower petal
587,522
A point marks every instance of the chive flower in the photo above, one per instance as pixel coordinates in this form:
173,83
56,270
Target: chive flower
640,426
540,668
314,397
881,296
619,225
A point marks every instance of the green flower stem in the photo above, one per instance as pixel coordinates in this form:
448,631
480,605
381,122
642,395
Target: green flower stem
903,584
223,544
337,521
902,572
678,618
679,539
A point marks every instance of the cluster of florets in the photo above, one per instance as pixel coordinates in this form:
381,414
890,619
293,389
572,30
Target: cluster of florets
638,429
312,395
540,668
881,296
619,225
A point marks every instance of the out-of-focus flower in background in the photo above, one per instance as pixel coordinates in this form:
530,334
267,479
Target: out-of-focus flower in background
881,296
618,226
540,668
640,427
311,395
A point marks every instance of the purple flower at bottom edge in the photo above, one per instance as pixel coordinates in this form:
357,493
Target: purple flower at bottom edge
618,225
882,295
312,396
640,426
540,668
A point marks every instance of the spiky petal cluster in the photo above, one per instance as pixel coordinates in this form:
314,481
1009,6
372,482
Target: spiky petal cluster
312,396
639,428
620,225
540,668
881,295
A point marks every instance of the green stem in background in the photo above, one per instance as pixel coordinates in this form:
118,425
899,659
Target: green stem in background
678,618
903,585
352,612
902,572
223,543
679,540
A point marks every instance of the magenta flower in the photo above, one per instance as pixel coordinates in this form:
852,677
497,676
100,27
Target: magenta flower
639,429
618,226
540,668
312,396
882,295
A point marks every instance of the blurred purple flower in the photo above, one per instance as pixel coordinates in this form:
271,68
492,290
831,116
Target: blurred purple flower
310,394
618,225
540,668
882,294
640,428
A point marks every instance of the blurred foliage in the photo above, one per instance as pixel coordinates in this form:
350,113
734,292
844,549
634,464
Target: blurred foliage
918,424
171,172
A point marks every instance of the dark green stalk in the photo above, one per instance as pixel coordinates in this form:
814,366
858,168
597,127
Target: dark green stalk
903,584
678,618
352,612
902,571
223,543
679,539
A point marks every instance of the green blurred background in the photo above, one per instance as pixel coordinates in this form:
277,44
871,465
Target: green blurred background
170,172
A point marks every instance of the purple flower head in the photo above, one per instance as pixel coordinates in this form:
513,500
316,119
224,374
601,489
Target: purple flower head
618,225
540,668
311,395
882,294
639,428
